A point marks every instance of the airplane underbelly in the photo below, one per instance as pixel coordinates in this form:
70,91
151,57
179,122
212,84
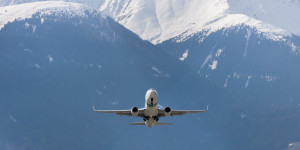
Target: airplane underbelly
151,112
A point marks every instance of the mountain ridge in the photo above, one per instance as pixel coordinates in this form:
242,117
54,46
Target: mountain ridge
26,10
158,21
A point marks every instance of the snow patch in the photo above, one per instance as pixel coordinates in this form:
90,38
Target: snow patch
37,66
115,102
213,66
294,48
219,52
33,28
99,92
156,70
247,82
236,75
269,78
159,73
42,20
27,50
243,115
208,58
27,25
184,55
12,118
247,37
50,59
226,83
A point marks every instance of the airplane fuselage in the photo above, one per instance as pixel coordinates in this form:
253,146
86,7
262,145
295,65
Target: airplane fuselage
151,112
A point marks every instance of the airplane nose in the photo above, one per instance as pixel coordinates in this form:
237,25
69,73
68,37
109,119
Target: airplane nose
151,93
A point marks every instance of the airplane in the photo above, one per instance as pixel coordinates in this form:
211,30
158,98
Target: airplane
150,113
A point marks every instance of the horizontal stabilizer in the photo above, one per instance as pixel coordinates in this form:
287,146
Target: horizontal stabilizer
161,123
137,123
143,123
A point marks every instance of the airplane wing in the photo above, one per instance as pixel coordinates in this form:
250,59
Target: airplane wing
161,112
121,112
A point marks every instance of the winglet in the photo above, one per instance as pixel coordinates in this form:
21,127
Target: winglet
207,107
94,107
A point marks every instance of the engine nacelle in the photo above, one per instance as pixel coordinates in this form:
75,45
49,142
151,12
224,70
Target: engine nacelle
168,111
134,111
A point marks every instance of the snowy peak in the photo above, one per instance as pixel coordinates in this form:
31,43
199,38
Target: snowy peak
158,21
281,13
26,10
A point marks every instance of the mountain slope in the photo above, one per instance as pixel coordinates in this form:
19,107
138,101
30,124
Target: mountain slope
53,71
262,72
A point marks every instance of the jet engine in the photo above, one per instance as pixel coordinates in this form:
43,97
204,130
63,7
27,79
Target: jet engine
134,111
167,111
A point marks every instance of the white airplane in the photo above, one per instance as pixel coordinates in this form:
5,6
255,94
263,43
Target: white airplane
150,113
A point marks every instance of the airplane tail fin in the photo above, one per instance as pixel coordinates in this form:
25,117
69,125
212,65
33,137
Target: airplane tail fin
137,123
161,123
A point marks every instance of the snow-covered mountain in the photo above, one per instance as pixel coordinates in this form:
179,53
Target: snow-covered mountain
57,61
158,21
24,11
